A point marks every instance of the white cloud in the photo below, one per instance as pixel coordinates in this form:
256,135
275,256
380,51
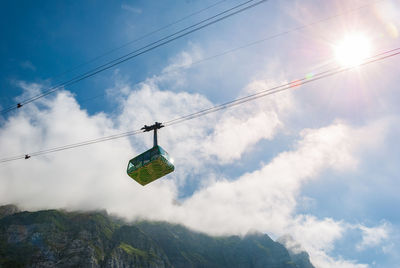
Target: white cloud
131,9
183,60
315,233
373,236
250,201
222,137
94,176
30,89
321,259
28,65
238,129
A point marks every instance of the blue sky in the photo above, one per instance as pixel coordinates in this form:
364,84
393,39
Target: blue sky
319,162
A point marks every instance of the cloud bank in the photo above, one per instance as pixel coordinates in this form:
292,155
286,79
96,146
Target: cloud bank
263,199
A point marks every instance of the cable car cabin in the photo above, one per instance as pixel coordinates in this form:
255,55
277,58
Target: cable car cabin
150,165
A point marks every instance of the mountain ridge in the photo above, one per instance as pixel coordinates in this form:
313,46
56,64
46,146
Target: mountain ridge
57,238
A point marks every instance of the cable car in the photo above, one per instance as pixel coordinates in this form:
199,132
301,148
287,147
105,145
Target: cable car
152,164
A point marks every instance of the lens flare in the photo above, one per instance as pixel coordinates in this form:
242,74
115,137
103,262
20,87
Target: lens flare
352,50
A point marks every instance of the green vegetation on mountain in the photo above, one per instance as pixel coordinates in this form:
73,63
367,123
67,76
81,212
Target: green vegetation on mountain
54,238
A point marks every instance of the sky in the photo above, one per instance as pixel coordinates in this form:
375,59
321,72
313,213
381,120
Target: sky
315,167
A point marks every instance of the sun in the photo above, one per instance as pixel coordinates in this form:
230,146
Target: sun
352,50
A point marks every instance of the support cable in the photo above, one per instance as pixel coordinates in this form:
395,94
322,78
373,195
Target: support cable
163,41
256,42
260,94
139,38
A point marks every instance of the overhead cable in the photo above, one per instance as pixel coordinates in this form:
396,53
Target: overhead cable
139,38
229,104
256,42
179,34
73,145
286,86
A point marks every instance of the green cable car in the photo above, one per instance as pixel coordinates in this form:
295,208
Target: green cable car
152,164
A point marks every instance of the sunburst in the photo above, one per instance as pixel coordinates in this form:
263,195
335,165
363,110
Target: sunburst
352,50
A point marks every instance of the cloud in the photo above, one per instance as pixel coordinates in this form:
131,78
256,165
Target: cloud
183,60
373,236
131,9
323,260
319,257
28,65
239,129
29,89
59,120
94,177
216,138
262,199
250,201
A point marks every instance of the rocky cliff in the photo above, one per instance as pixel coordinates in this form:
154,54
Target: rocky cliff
55,238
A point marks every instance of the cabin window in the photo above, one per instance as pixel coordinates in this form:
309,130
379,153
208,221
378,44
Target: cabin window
154,152
131,165
162,152
146,156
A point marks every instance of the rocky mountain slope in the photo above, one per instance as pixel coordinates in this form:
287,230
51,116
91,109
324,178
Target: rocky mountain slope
54,238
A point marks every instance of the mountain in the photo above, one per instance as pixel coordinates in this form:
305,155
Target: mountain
54,238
